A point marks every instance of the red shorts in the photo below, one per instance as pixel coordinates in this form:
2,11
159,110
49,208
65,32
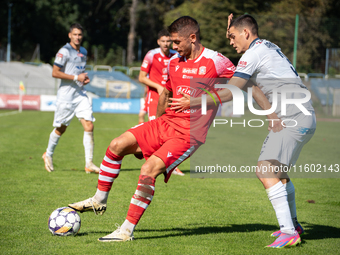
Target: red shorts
152,111
158,138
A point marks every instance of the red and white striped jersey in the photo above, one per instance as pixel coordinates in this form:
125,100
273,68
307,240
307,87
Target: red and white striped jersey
183,74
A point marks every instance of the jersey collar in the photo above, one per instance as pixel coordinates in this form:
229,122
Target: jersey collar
253,42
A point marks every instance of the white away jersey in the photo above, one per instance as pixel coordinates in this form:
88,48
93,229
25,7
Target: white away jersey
71,62
269,69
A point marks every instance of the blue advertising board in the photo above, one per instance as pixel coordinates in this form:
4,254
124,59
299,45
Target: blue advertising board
116,105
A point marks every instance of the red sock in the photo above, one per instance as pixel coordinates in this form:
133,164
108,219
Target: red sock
141,199
109,170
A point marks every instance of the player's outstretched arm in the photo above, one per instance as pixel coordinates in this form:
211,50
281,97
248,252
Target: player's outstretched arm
163,102
143,78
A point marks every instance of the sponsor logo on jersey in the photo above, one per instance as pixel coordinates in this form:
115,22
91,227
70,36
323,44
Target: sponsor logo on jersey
202,70
242,64
186,90
187,76
80,55
145,64
166,61
165,77
59,57
189,70
165,70
176,68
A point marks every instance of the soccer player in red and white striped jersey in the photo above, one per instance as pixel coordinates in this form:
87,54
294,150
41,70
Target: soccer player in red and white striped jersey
166,141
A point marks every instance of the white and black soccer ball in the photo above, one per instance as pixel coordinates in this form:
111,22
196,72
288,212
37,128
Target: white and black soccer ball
64,221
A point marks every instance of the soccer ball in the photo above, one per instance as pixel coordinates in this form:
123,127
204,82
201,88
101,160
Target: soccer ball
64,221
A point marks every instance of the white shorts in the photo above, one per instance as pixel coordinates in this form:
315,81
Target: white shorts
67,110
285,146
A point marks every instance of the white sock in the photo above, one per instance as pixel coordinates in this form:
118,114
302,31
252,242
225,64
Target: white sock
291,201
277,195
52,143
88,146
127,227
101,196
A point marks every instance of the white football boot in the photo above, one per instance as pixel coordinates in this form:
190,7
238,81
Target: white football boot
90,204
48,162
117,236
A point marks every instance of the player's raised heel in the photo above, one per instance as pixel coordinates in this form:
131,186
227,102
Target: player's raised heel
286,240
117,236
91,168
89,204
298,228
48,162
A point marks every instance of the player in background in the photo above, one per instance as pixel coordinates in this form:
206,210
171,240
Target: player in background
154,74
164,142
69,66
268,68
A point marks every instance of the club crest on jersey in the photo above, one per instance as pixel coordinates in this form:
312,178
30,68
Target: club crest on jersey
160,59
186,90
242,64
202,70
189,70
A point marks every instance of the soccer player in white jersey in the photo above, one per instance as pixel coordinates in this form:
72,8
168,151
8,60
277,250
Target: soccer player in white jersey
69,66
267,67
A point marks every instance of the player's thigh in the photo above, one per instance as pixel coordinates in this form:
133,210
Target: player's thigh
285,146
174,151
83,110
63,114
153,166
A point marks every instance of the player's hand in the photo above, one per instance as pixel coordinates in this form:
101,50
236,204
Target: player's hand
180,104
275,124
230,18
83,78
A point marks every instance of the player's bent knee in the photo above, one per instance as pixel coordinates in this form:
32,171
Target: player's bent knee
150,170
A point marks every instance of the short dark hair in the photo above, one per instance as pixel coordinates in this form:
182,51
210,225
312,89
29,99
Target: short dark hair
163,32
246,21
185,26
76,25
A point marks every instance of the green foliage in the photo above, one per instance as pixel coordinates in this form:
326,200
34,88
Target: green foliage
106,26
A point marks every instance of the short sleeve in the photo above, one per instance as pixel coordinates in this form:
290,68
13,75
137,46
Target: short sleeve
61,57
224,67
247,65
147,62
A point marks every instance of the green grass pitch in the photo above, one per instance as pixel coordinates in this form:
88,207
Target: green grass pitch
186,216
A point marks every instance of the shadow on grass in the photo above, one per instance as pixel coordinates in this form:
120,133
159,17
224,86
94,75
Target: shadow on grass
209,230
317,232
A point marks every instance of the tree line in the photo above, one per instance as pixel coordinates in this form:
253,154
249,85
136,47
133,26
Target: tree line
122,31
